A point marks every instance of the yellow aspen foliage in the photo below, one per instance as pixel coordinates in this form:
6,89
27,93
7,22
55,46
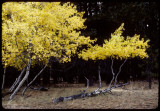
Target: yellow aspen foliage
38,30
118,47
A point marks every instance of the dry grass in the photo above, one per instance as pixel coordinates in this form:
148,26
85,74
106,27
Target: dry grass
133,96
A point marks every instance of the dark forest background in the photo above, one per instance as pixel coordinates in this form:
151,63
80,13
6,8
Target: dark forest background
102,18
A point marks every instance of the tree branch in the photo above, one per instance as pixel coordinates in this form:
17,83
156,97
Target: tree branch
17,80
112,73
119,72
99,76
23,80
87,85
35,77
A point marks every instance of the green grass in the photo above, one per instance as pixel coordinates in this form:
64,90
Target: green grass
134,96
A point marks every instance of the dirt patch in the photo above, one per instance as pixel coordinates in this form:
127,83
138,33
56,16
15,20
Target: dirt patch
133,96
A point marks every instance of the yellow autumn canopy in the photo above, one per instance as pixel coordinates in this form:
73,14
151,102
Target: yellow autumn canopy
40,30
118,47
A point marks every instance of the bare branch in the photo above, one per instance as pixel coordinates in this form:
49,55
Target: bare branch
112,73
87,85
119,72
35,77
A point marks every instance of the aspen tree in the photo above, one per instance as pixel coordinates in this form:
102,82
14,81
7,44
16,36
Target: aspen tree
32,32
117,47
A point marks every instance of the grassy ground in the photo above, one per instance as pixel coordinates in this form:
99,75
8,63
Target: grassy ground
136,95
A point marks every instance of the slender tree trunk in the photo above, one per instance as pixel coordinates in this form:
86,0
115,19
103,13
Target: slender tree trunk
119,72
35,78
112,74
87,85
17,80
23,80
99,76
4,75
13,85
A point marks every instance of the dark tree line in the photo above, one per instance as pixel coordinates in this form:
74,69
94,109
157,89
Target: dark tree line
102,18
76,73
139,17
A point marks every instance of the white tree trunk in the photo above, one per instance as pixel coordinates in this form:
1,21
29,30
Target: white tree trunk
17,80
4,75
35,78
23,80
87,85
112,74
119,72
99,77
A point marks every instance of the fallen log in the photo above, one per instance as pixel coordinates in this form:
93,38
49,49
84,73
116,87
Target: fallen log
90,94
81,95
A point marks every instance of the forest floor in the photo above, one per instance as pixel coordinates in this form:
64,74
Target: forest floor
136,95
